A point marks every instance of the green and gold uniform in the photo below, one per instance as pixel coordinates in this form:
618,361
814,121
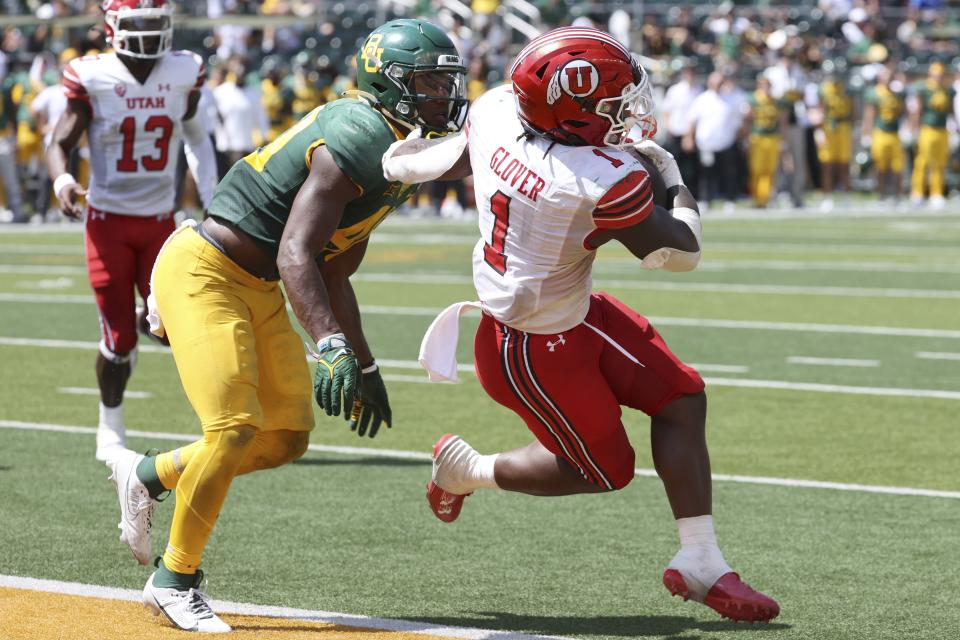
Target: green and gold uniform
764,144
837,111
257,193
933,151
885,146
241,363
256,196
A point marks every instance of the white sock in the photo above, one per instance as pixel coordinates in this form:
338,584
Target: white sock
699,560
111,432
460,469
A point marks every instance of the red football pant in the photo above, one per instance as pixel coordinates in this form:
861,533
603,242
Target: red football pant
121,251
569,387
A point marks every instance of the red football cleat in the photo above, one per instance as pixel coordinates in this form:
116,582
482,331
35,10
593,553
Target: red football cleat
445,505
729,596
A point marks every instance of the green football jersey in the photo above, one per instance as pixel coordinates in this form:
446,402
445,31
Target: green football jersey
766,114
257,193
936,103
889,107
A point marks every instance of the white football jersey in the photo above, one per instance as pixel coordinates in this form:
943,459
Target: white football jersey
135,128
538,203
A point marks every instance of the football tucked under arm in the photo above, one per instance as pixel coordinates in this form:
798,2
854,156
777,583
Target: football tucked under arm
639,212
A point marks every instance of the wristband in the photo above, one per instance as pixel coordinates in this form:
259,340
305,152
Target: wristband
333,341
63,180
370,368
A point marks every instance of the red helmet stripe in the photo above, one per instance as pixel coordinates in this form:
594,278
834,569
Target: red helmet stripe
566,33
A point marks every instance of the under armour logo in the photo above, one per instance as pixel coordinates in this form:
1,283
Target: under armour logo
553,345
163,87
447,503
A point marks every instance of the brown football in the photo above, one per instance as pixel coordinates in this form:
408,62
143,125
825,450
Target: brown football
660,196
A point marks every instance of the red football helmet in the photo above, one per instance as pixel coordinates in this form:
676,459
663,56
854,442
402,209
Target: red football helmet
139,28
579,86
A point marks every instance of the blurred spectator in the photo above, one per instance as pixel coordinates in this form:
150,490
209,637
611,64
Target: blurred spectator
766,120
675,120
714,124
787,83
836,142
243,124
46,109
883,111
931,104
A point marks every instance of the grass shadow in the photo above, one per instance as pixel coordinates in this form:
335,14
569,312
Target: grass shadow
624,626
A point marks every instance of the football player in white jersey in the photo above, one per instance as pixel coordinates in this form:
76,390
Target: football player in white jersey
556,177
135,104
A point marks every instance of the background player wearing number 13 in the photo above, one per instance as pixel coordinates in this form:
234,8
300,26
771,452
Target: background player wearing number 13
134,104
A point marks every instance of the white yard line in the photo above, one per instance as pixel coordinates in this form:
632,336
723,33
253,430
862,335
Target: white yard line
88,391
817,387
666,321
44,249
832,362
804,327
629,265
937,355
719,368
241,608
425,456
42,269
707,287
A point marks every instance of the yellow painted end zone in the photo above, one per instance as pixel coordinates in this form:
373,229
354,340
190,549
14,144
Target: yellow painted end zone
39,615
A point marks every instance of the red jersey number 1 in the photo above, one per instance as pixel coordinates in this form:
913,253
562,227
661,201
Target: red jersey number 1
493,251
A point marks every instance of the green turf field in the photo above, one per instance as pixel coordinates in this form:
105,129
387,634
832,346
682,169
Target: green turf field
831,347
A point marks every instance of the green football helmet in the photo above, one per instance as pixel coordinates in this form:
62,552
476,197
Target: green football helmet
414,72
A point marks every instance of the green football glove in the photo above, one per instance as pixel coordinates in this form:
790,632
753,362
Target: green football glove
338,372
371,407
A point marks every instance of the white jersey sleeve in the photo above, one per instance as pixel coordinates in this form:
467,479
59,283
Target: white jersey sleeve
538,203
135,128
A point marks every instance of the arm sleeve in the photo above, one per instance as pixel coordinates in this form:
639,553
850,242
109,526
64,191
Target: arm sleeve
73,85
626,203
200,158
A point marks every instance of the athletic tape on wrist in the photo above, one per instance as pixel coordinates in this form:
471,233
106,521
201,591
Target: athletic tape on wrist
370,368
63,180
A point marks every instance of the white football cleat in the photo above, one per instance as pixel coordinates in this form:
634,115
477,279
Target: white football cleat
188,610
136,505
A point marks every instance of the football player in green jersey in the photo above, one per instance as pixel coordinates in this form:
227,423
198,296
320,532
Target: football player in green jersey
300,210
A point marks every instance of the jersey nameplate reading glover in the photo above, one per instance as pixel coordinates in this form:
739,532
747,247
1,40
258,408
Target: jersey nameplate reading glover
516,172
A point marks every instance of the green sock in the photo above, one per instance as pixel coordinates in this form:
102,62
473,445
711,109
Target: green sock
166,579
147,473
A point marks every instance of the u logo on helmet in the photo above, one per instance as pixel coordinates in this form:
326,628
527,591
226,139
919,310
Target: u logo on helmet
579,78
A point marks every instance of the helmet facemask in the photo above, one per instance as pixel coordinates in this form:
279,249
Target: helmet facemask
632,108
431,97
141,33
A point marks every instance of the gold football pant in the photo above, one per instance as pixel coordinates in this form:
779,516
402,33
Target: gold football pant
244,371
886,151
763,157
933,152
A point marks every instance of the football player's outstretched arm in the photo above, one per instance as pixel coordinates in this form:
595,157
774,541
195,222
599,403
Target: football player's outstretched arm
314,217
72,124
199,151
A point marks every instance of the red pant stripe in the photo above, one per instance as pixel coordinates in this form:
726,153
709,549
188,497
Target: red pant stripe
599,477
516,385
